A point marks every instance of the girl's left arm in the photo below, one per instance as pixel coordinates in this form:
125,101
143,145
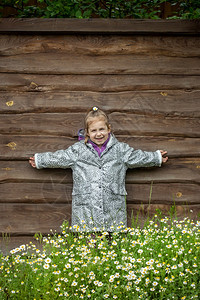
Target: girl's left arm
138,158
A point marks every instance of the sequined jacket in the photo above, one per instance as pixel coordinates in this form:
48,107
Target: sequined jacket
99,194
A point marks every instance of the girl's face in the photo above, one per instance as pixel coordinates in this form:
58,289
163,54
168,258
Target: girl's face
98,132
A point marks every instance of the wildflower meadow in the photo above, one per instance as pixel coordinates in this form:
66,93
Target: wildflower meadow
158,261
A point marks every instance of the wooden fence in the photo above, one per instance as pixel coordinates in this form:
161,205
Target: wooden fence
145,74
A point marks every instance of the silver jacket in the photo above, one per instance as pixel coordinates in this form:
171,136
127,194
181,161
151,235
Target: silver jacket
99,194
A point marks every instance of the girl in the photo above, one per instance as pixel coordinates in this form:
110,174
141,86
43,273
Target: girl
99,163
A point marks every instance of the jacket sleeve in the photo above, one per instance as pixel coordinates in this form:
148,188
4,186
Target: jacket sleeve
59,159
138,158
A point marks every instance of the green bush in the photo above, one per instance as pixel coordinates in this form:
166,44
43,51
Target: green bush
137,9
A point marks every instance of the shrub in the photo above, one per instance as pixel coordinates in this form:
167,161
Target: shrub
151,9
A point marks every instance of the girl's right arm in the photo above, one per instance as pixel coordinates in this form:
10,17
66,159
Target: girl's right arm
59,159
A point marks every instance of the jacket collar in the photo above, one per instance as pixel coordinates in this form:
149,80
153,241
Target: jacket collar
110,143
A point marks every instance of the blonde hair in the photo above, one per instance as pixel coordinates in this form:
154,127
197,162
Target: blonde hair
89,119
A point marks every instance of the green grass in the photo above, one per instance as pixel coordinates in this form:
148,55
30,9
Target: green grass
159,261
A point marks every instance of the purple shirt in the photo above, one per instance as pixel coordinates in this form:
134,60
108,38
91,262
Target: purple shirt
99,150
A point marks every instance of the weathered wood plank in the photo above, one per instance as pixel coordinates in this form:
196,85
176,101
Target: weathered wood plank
106,26
36,193
61,193
27,219
22,147
130,124
170,46
31,218
100,83
170,103
67,124
63,124
176,147
183,170
169,172
54,64
172,193
16,147
18,171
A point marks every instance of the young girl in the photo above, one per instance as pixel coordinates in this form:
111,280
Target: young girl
99,163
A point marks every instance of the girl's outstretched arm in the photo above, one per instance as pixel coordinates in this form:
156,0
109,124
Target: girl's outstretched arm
59,159
139,158
32,161
164,159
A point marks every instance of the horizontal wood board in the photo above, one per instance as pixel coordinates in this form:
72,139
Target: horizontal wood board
27,219
54,192
52,63
176,170
101,45
90,26
20,147
98,83
52,73
67,124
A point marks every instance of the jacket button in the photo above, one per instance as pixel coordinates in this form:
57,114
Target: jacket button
100,186
99,167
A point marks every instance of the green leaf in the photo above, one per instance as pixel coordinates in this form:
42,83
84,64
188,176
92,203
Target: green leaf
78,14
87,13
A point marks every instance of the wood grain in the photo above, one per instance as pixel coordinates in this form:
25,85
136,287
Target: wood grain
28,219
61,193
16,147
175,103
131,124
183,170
106,26
54,64
36,192
123,124
170,172
79,44
97,83
163,193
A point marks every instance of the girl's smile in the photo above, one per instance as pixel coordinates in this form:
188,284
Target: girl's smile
98,132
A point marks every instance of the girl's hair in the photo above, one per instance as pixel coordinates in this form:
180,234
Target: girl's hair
89,119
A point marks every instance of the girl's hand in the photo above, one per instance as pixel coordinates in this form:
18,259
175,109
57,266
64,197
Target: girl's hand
164,159
32,161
